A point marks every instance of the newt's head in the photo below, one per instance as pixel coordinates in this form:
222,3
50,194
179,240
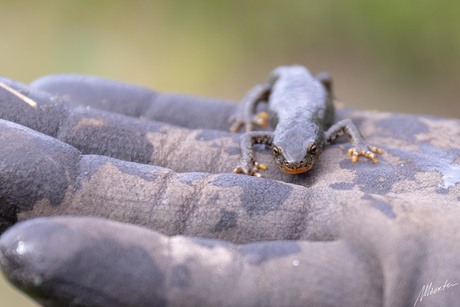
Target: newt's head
296,154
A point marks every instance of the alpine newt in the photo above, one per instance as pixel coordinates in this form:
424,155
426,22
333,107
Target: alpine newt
301,110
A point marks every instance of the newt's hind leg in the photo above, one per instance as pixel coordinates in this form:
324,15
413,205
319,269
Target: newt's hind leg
359,145
245,115
326,79
248,165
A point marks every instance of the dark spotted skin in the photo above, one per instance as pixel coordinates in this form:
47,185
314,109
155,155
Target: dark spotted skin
301,110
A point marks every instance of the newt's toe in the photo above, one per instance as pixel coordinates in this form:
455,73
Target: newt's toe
370,153
258,166
236,126
251,171
261,119
376,150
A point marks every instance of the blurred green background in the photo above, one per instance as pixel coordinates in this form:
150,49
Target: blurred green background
393,55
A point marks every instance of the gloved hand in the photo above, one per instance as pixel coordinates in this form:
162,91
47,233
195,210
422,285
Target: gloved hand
364,234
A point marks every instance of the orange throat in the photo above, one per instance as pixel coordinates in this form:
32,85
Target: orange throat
296,171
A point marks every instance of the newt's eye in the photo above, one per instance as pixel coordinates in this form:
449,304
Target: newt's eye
313,148
276,150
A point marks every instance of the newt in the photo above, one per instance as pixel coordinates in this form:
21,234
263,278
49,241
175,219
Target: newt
301,110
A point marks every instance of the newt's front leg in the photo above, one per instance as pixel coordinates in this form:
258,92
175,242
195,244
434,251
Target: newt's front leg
359,145
246,115
248,164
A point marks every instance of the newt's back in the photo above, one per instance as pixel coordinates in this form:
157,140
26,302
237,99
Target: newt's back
296,92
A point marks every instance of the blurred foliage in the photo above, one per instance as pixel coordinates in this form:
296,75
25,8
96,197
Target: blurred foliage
387,55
